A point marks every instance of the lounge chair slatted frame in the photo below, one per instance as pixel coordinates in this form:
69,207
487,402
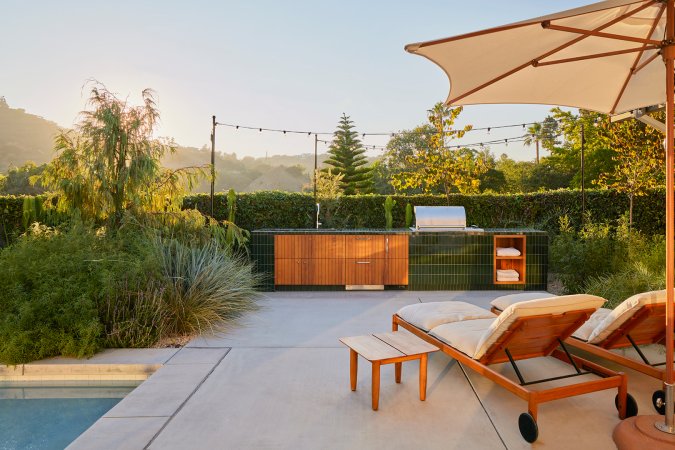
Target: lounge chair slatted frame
530,337
645,327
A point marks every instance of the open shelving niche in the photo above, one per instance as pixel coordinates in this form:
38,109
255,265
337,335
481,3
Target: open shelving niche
510,262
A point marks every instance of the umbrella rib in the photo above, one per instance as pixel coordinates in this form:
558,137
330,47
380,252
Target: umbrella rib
597,55
634,69
646,62
551,52
619,37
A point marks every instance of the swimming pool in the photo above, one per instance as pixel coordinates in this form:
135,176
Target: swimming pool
50,416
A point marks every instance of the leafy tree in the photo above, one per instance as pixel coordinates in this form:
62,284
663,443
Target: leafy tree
396,159
347,159
328,184
639,157
112,163
437,165
597,153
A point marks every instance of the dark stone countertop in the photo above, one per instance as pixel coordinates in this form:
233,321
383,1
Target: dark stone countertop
488,231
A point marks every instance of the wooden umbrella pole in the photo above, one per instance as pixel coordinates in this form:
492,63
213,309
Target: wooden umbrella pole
669,58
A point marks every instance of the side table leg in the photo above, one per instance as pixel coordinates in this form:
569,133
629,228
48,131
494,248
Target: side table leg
376,384
397,371
353,367
423,377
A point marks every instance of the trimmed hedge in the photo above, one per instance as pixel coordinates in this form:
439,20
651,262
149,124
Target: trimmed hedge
274,209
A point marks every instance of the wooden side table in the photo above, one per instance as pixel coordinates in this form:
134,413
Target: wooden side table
388,348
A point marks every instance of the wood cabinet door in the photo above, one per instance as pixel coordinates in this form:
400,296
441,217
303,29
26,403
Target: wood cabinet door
288,271
325,272
364,246
364,271
396,272
396,246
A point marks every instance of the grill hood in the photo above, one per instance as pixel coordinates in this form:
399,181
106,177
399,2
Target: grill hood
441,218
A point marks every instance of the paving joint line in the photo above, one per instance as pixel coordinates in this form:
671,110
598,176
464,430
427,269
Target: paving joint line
482,405
206,377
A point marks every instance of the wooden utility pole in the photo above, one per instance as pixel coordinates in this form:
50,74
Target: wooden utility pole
213,159
316,163
583,176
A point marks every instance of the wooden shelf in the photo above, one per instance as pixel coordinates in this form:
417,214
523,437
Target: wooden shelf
517,263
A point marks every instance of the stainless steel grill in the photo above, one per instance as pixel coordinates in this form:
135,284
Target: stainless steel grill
441,218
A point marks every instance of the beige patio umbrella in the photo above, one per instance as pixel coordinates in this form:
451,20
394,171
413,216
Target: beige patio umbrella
611,57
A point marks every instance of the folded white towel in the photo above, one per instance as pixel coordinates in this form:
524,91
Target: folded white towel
508,251
508,273
507,278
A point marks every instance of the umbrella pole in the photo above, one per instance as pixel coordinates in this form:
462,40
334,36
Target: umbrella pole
669,59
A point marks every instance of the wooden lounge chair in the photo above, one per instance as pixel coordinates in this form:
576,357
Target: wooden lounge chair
477,338
639,320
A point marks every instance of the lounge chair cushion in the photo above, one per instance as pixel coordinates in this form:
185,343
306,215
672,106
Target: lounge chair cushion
623,312
503,302
429,315
551,305
585,331
463,336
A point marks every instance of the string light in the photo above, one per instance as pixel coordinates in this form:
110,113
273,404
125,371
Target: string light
363,135
482,145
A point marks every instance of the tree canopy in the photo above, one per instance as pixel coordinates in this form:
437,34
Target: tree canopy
111,162
436,165
346,157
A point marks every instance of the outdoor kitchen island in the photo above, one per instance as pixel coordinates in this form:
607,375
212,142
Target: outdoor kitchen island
329,259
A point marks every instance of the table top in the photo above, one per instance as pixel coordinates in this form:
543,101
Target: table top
379,346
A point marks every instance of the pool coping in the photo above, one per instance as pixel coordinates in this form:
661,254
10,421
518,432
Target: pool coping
108,365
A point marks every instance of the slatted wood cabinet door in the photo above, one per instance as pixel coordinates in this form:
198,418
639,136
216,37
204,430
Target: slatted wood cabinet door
309,260
396,264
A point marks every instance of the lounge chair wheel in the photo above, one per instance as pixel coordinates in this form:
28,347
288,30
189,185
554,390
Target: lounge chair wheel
631,405
528,427
659,401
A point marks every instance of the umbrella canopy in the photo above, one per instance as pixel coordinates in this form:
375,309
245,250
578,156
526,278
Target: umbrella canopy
537,60
611,57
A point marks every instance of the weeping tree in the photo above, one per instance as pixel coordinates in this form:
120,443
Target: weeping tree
110,162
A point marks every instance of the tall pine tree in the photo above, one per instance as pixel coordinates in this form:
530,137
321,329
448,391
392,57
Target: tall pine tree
347,158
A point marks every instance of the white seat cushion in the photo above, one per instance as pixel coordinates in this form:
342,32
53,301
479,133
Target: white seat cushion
429,315
503,302
584,331
623,312
464,336
552,305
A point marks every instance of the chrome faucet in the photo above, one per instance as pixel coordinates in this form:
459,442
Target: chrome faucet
318,209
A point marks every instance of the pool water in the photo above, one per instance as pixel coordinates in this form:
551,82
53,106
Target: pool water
36,417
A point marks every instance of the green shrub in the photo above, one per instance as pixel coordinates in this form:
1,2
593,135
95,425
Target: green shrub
205,289
133,317
48,292
607,261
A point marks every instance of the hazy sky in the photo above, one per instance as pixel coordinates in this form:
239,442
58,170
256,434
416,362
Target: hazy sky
278,64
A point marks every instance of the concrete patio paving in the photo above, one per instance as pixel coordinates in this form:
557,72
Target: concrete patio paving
282,381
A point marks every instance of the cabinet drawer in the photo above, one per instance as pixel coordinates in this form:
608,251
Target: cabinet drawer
367,271
364,246
329,246
289,246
